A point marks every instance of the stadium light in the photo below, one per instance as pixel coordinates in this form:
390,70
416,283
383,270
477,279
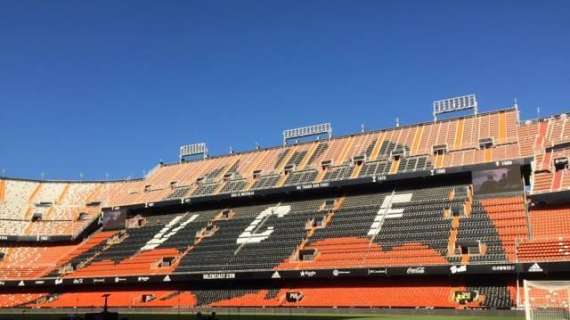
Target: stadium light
196,150
454,104
308,131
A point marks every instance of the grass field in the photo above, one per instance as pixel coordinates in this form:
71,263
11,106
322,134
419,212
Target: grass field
244,316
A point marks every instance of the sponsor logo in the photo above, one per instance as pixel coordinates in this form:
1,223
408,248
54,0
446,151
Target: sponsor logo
117,279
416,270
58,281
308,274
379,178
39,282
2,283
166,279
313,185
275,275
458,269
143,279
21,284
78,281
3,237
377,271
215,276
463,297
503,268
535,268
242,194
294,296
337,272
99,280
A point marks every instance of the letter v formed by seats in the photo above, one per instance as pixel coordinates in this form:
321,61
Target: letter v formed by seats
168,231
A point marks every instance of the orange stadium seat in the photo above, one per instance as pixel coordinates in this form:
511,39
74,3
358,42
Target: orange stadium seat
396,198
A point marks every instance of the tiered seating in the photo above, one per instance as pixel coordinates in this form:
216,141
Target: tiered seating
178,193
343,241
296,158
224,251
14,300
301,177
422,221
560,131
124,299
59,203
400,295
376,168
237,297
205,189
84,252
460,136
366,296
509,218
480,227
13,209
494,296
551,138
528,133
13,227
550,222
127,257
266,182
550,238
24,262
320,150
413,231
16,196
338,173
31,262
546,176
186,237
213,253
544,250
287,235
234,186
542,180
437,224
414,164
425,295
396,228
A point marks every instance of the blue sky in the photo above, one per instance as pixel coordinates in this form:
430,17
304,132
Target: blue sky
113,87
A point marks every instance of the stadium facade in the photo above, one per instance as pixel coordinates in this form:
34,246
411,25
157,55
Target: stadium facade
452,213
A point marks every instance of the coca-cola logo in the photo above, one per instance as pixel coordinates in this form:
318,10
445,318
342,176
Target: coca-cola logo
416,270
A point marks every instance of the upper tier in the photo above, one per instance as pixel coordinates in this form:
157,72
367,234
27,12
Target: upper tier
383,152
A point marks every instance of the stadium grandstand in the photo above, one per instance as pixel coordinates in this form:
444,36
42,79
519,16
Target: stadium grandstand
453,213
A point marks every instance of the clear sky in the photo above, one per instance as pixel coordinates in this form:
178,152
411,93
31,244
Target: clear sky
113,87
